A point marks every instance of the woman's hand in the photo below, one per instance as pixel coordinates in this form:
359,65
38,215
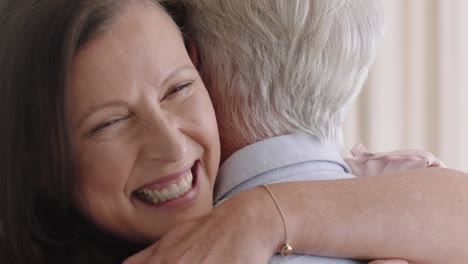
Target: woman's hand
230,234
198,243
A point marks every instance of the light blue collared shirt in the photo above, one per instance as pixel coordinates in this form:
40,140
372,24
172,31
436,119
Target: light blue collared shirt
295,157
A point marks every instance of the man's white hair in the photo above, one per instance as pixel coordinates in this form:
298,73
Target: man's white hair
280,66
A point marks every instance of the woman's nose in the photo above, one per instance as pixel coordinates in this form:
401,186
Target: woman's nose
164,141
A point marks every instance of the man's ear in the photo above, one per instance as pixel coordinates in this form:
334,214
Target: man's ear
192,50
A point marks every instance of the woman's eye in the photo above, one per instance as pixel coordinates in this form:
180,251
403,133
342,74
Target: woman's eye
179,88
104,125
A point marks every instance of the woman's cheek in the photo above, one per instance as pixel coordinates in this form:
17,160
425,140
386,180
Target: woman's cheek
104,166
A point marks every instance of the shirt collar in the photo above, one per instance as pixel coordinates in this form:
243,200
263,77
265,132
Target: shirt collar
270,154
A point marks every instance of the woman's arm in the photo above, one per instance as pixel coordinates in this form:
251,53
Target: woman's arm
418,215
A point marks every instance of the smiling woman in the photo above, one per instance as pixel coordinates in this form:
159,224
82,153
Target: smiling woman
144,136
117,130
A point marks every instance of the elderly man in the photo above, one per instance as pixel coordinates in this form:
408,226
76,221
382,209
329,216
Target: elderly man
277,68
282,74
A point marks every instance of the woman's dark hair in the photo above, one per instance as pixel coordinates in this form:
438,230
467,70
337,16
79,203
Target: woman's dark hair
38,39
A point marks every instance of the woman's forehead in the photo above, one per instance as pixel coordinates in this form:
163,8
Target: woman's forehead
141,35
143,46
134,19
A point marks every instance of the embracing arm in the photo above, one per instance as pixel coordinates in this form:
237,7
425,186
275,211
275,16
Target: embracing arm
418,215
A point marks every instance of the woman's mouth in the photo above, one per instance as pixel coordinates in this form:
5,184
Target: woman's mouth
175,190
160,193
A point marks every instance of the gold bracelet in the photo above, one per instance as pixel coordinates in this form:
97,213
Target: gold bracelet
286,249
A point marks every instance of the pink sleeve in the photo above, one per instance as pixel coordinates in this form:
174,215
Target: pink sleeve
365,163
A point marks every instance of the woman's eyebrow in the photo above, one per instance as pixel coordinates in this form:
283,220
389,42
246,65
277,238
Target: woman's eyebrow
96,107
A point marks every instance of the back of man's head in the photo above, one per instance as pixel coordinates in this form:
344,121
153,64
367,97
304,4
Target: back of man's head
281,66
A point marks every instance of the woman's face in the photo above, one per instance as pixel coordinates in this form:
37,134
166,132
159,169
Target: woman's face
144,135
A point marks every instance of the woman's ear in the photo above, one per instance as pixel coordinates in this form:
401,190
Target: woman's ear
192,50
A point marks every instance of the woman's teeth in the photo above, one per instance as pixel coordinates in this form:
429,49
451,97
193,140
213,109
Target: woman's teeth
173,191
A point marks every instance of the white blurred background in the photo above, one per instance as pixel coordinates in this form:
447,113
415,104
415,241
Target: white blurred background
417,92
